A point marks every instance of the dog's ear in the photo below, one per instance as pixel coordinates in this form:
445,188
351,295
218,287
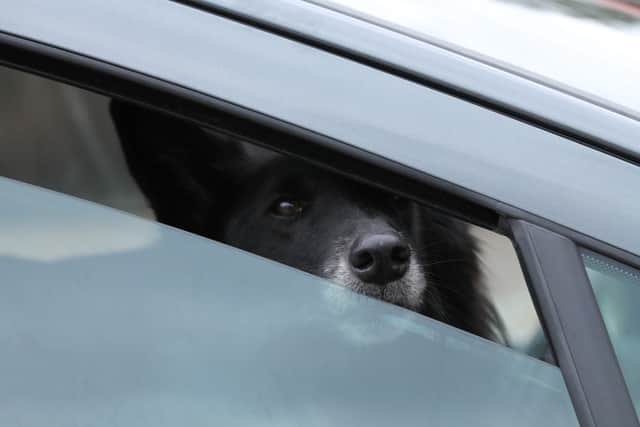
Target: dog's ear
185,172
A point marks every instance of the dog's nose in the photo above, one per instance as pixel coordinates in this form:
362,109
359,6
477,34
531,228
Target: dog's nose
379,258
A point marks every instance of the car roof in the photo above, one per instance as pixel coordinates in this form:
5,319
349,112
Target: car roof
373,110
584,47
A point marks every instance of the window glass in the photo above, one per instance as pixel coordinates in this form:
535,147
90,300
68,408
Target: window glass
395,286
617,290
111,320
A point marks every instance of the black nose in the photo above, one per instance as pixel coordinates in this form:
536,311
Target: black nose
379,258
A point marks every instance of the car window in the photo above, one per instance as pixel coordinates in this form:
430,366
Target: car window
70,140
617,290
111,320
414,284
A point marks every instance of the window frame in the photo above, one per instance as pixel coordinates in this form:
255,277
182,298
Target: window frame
545,283
558,281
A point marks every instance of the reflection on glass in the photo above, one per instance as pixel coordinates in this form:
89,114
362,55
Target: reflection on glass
617,290
605,11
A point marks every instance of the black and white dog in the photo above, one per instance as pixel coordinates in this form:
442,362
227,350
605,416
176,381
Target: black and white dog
287,210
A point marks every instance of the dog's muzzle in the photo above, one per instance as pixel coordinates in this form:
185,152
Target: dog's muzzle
382,266
379,258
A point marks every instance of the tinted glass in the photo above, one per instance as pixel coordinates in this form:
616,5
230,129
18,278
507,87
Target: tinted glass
107,319
617,290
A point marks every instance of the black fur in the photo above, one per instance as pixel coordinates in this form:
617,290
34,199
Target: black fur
209,184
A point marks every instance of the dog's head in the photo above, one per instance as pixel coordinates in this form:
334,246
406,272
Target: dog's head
302,216
293,212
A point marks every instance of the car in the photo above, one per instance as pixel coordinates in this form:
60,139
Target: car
108,319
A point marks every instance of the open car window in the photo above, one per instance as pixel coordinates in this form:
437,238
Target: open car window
65,139
136,320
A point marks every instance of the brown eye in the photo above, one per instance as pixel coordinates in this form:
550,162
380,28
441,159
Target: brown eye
286,208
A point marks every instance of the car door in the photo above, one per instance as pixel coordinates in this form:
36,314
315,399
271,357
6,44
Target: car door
346,113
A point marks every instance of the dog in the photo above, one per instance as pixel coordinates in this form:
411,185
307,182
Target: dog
282,208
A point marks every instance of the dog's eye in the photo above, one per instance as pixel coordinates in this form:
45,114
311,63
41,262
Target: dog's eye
287,208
